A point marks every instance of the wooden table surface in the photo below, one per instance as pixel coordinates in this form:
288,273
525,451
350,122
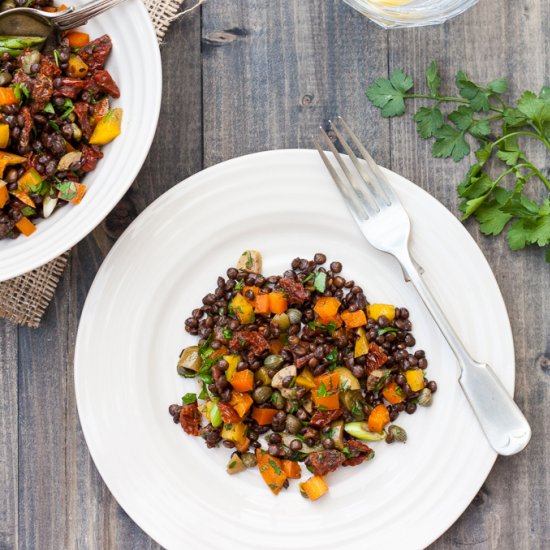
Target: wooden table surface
250,75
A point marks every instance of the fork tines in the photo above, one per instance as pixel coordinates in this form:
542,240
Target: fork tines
360,181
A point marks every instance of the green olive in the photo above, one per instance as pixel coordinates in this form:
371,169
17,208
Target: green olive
354,403
249,460
273,361
278,400
189,362
293,424
262,394
262,375
5,78
294,316
282,321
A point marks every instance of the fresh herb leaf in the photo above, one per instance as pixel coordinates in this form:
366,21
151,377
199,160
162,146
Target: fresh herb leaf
49,108
67,190
320,281
308,278
275,467
68,108
332,355
385,330
249,260
28,211
484,121
54,125
389,93
322,390
239,285
189,398
227,334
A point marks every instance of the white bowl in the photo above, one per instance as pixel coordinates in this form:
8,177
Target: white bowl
136,67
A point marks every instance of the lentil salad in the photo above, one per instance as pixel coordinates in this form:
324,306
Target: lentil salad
298,368
55,115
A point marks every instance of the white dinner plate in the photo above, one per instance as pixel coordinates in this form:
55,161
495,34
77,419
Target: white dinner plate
284,204
135,65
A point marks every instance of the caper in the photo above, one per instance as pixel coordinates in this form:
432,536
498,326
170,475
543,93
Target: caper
249,460
262,375
189,362
30,59
278,400
293,425
273,361
294,316
262,394
397,433
425,398
282,321
5,78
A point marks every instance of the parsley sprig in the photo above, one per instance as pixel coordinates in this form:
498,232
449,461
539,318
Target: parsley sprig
493,190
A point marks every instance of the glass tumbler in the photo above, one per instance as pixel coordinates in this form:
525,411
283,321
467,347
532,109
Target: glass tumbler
410,13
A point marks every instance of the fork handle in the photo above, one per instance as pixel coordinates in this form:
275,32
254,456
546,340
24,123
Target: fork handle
505,426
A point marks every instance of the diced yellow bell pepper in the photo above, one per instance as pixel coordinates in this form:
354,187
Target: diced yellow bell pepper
4,195
233,361
77,68
241,402
415,379
4,135
108,128
361,344
314,488
235,432
374,311
306,379
29,180
205,408
242,309
10,158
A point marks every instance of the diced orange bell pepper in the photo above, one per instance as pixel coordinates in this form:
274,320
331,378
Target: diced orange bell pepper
261,305
277,303
378,418
4,135
314,488
242,446
255,290
272,471
7,96
327,308
354,319
241,402
263,417
243,380
78,39
77,199
25,226
29,180
361,344
24,198
326,394
4,195
108,128
292,469
331,381
393,393
10,158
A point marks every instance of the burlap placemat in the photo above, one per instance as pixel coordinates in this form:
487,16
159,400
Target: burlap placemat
24,300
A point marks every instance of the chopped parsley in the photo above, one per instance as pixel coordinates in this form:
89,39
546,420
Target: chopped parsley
68,190
189,398
239,285
232,464
68,108
320,281
249,260
385,330
56,57
227,334
276,468
322,390
308,278
49,108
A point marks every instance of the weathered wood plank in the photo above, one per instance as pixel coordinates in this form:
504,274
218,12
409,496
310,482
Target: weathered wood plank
274,71
8,436
493,40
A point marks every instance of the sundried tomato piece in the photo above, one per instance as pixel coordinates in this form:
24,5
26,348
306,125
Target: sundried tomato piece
90,155
41,93
81,111
323,462
27,127
248,339
359,453
69,87
48,67
105,83
101,108
320,419
228,413
95,53
295,291
375,357
190,419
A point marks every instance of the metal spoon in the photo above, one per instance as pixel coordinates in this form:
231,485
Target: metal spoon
32,22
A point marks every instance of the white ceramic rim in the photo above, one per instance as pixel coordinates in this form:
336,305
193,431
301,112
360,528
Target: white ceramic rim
70,225
108,461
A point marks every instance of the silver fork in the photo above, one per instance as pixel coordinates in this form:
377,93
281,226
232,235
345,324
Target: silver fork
386,226
14,19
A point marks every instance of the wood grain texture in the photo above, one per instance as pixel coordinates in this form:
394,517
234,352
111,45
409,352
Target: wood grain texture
252,75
